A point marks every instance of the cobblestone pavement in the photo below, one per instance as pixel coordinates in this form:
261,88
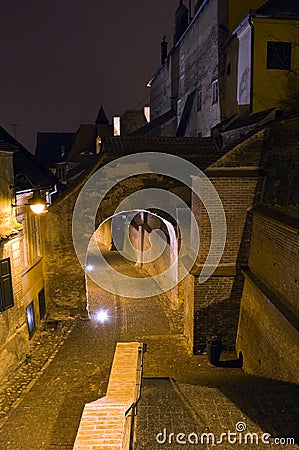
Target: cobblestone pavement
41,404
185,394
47,415
43,348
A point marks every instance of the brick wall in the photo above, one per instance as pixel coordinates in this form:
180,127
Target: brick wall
268,335
274,255
216,306
267,339
282,163
107,422
217,301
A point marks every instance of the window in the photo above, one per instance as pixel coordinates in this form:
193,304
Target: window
199,99
35,238
61,171
279,55
215,91
31,242
42,304
182,72
30,319
6,292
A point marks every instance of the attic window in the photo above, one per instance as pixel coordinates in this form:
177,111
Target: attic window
279,55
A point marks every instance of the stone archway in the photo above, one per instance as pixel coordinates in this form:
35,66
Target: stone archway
64,276
125,241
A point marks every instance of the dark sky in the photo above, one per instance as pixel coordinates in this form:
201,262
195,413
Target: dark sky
60,59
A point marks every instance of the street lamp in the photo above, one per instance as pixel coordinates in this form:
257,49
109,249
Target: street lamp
37,203
23,185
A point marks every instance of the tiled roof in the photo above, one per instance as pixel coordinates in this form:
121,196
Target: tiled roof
154,125
28,171
85,140
49,147
80,168
200,151
181,131
253,119
280,8
7,146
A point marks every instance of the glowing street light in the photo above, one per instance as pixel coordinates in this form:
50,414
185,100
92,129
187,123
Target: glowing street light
37,204
102,316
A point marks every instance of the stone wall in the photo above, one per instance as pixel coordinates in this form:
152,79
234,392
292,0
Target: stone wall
199,55
64,276
14,336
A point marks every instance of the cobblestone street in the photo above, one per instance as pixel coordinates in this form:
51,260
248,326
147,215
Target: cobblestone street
42,402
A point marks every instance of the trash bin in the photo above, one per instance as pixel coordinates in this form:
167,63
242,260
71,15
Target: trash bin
214,349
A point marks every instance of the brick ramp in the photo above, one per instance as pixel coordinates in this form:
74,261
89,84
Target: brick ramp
106,423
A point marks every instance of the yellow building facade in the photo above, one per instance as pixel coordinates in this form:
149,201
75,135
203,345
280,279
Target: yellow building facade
261,70
275,64
22,299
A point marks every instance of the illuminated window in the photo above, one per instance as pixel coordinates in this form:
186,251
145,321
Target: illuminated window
116,126
30,319
215,91
6,292
279,55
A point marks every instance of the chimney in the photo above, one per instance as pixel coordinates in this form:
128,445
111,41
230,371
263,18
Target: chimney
164,45
190,11
116,125
147,113
181,22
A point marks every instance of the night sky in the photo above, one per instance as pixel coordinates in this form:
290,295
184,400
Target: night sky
61,59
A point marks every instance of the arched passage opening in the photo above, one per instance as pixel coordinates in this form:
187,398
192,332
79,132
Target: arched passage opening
133,254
